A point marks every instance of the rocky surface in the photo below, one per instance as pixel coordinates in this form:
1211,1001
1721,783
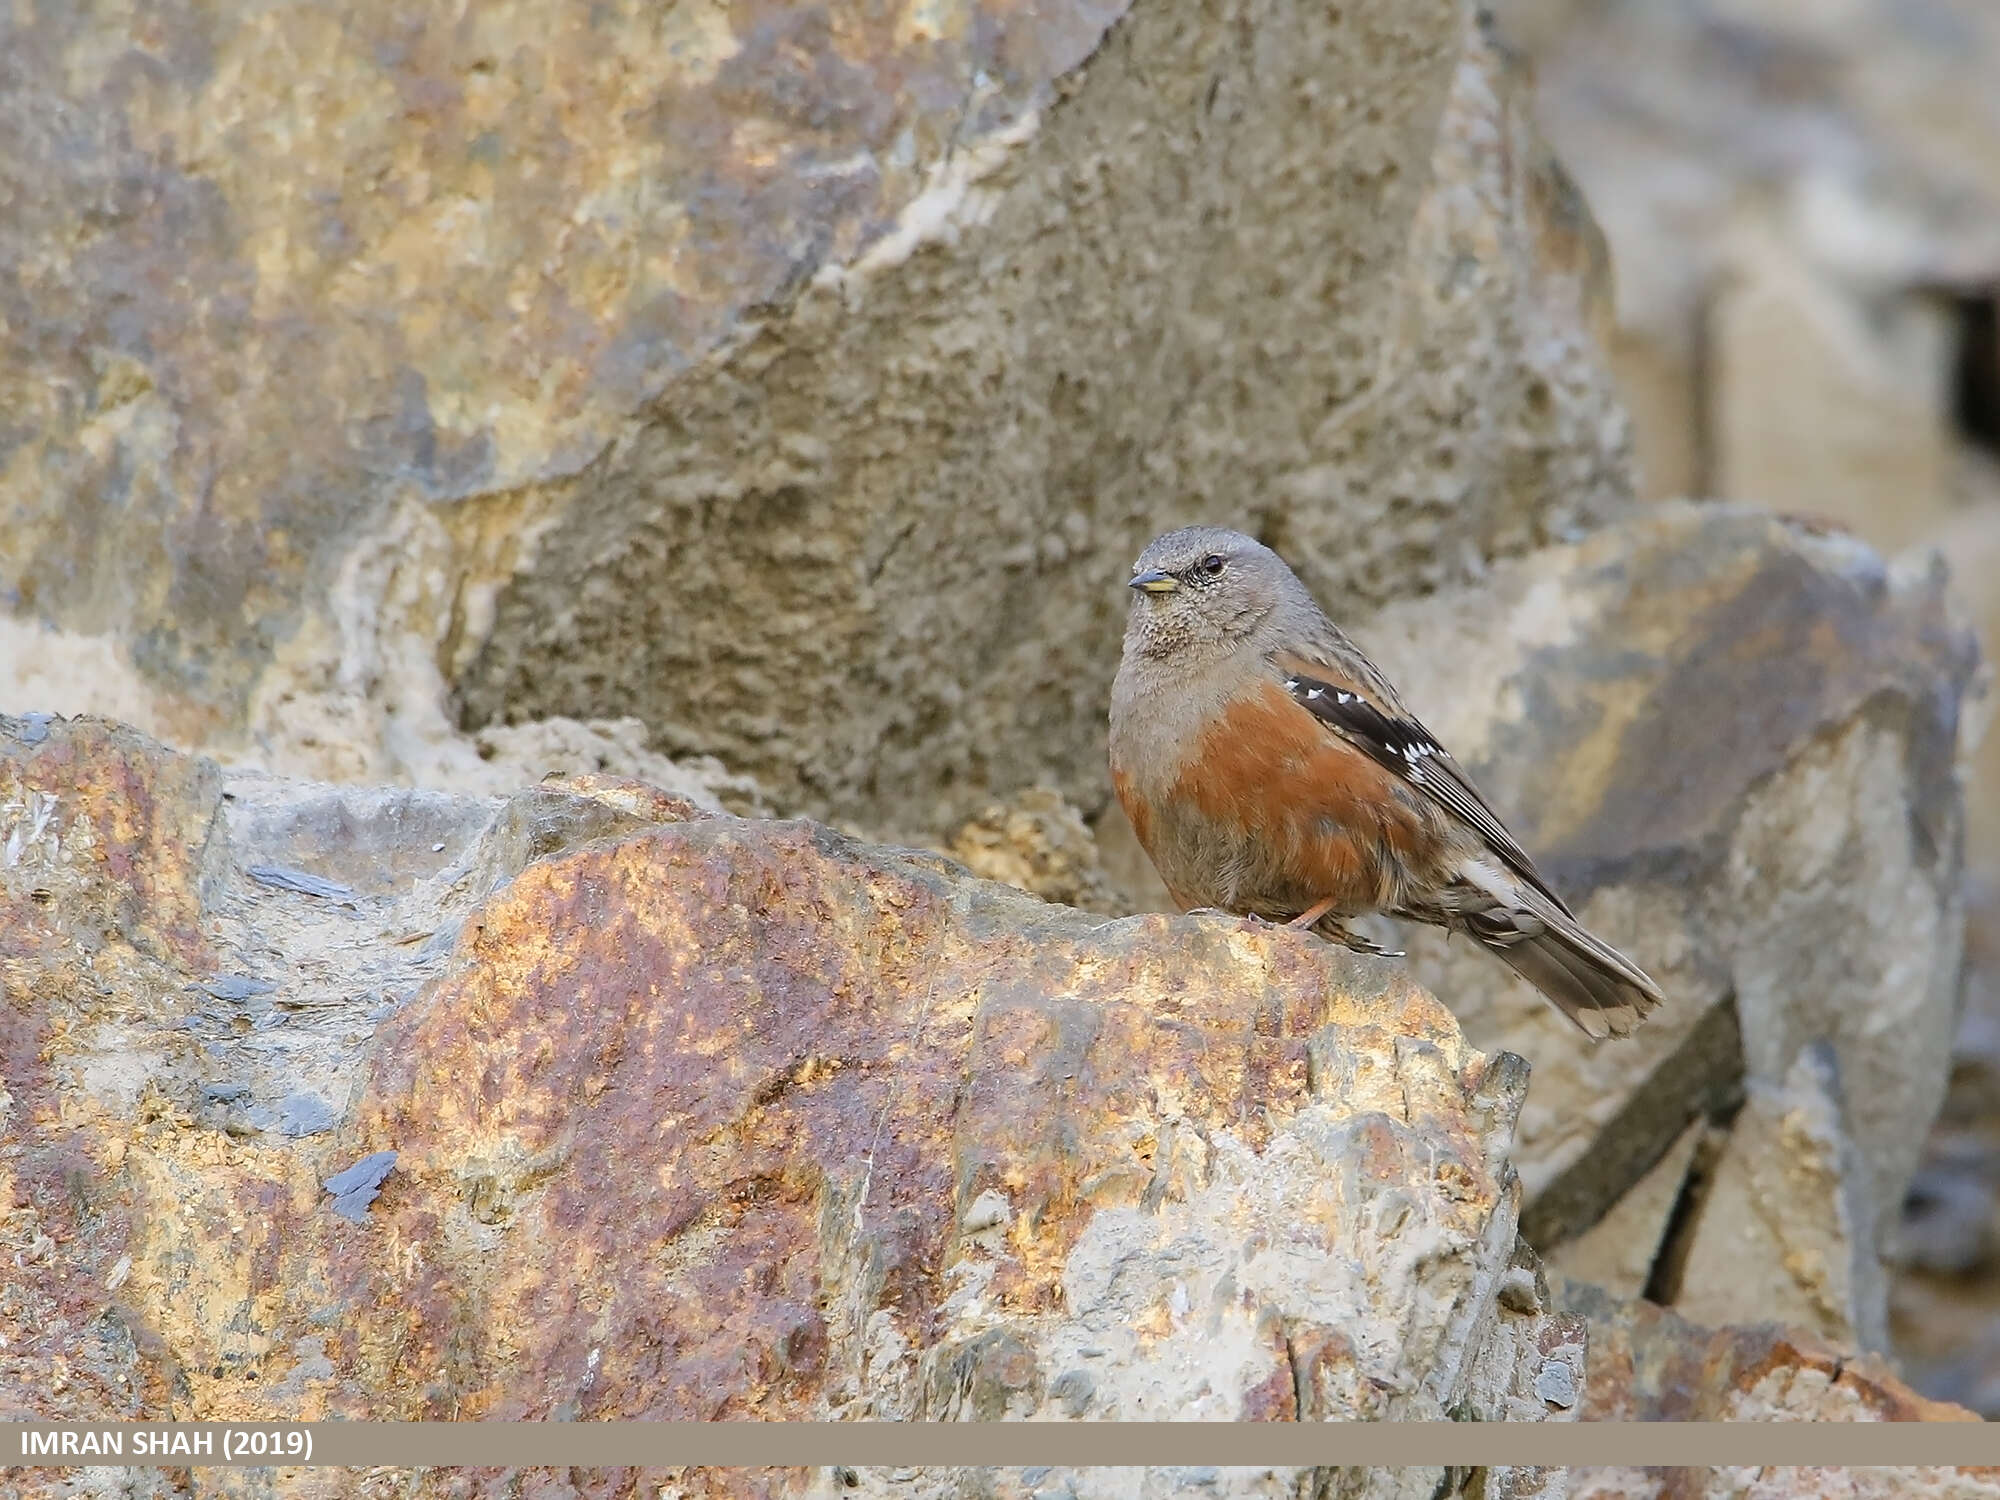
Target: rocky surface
401,401
701,1117
1804,212
1732,742
1945,1302
892,1140
380,378
1039,843
1649,1365
1783,1227
1798,198
1805,218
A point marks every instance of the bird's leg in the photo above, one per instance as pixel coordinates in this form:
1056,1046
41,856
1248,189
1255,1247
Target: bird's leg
1312,913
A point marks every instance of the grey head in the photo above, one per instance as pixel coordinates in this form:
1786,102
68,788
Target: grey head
1202,593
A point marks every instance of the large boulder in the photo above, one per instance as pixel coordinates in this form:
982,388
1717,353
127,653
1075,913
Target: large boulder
799,382
586,1104
1734,742
1803,204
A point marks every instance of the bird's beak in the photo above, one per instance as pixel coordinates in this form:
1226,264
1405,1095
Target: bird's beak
1155,582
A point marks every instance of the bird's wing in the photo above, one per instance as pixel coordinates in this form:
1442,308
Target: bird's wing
1364,711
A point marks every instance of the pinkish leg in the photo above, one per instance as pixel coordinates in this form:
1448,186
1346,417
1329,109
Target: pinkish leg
1312,914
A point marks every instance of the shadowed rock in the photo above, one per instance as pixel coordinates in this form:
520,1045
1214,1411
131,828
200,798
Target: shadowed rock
800,386
1733,744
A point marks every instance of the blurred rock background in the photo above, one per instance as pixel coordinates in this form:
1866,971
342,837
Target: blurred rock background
798,381
766,402
1803,206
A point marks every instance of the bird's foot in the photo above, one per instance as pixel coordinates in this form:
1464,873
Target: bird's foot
1313,921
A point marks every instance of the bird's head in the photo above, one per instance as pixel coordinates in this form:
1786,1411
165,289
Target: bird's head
1200,592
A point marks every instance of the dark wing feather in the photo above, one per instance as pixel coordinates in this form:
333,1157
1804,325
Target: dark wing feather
1395,740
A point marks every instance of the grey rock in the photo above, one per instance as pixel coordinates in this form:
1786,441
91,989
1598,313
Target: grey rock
1732,743
356,1187
1555,1383
237,986
1784,1230
305,1114
304,882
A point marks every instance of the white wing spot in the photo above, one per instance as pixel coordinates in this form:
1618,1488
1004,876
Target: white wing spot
1315,692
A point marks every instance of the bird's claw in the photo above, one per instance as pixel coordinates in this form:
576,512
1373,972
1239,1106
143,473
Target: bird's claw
1334,931
1356,943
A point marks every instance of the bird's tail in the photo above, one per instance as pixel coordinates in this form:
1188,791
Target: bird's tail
1592,983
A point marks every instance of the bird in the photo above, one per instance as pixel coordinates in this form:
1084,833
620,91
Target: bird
1270,771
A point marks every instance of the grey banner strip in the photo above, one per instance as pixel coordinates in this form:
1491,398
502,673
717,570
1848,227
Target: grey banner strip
1006,1444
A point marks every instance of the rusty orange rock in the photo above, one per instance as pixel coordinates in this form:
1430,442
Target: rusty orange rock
703,1117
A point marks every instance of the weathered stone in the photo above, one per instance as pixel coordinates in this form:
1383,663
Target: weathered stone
1837,157
1781,1232
704,1117
1802,201
1823,403
150,979
1805,211
1649,1365
513,755
815,431
1622,1250
1733,742
1038,843
1945,1301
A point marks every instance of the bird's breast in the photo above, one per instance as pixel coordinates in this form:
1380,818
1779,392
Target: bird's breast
1262,808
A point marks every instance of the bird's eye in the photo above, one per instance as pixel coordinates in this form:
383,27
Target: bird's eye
1212,564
